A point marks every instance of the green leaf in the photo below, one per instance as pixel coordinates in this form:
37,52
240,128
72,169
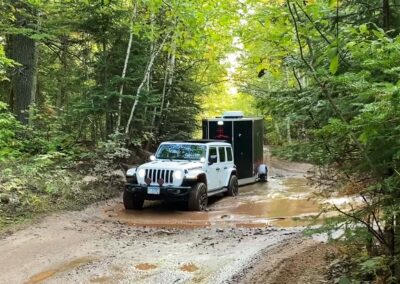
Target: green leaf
333,67
363,28
344,280
332,3
351,44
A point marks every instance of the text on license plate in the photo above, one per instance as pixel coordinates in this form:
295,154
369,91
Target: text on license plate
153,190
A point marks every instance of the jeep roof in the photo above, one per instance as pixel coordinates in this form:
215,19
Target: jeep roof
200,141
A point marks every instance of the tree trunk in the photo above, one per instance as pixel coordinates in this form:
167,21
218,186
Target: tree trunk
24,79
390,239
153,55
62,94
396,243
170,75
128,52
104,81
289,136
24,51
278,132
386,15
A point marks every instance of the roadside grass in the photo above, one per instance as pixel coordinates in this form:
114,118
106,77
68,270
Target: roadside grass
36,186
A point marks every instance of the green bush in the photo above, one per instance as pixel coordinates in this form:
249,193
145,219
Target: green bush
9,126
298,151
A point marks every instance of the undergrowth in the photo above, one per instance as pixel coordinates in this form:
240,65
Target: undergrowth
38,176
298,152
32,188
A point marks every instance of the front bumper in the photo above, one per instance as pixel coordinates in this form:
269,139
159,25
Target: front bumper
166,192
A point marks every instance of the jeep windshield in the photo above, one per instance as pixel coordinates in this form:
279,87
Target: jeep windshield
181,152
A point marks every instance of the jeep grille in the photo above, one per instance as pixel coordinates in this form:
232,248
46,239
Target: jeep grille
155,174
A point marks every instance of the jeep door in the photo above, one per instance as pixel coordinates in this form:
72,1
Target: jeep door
223,165
228,165
213,170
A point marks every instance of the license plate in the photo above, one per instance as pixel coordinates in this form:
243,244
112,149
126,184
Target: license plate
153,190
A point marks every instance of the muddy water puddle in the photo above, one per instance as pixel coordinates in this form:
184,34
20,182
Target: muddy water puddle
76,263
102,279
189,267
145,266
282,202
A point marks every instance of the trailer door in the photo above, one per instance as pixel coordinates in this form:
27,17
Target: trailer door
243,148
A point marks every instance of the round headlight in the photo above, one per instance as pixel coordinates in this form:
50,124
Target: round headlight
131,172
178,174
141,173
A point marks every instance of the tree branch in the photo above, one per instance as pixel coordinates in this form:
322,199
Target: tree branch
146,74
380,238
342,57
326,93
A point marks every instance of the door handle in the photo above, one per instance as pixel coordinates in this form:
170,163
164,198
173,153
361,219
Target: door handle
217,169
225,168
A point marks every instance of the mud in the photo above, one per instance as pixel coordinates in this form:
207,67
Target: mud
164,243
283,202
292,261
42,276
105,279
145,266
189,267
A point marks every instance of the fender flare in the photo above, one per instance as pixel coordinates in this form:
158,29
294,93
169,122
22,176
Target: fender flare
196,176
233,171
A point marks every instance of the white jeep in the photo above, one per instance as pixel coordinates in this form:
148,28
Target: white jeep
184,170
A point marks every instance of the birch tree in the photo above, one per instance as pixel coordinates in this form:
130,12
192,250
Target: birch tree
128,52
147,72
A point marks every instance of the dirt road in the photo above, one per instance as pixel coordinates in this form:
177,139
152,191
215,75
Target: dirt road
165,244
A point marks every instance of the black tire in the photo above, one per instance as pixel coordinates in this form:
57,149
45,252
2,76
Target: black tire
263,178
198,198
133,200
233,186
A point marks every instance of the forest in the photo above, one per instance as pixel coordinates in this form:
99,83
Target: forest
86,83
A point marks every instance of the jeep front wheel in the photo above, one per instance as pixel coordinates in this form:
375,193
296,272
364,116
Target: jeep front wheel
233,186
133,200
198,197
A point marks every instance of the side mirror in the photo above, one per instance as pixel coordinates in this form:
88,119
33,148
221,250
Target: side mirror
212,159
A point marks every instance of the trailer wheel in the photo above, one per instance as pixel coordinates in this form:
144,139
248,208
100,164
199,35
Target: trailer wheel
263,178
198,198
132,200
233,186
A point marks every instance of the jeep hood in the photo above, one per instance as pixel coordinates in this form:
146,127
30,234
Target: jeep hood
172,165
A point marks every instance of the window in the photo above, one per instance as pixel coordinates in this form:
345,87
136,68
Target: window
229,153
221,151
181,152
212,152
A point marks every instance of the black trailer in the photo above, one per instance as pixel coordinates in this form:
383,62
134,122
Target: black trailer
246,135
